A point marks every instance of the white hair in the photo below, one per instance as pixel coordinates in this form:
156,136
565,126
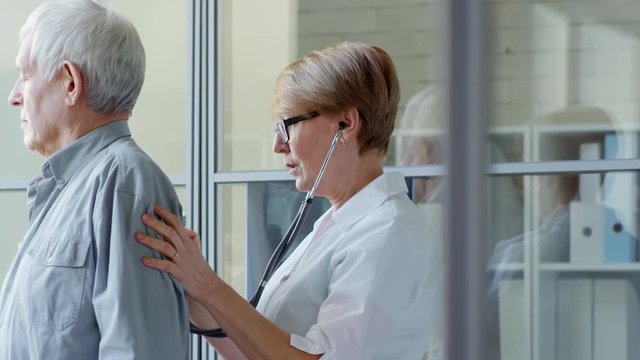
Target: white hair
102,43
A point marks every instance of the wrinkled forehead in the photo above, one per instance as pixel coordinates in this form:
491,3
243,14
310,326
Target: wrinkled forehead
23,58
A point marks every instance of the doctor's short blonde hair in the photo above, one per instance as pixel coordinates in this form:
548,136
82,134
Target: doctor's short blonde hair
337,77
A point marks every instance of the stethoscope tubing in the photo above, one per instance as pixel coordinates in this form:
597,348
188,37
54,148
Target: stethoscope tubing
283,246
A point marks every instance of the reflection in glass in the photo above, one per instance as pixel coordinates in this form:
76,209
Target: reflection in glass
272,207
428,195
231,235
254,219
567,70
559,136
579,256
419,134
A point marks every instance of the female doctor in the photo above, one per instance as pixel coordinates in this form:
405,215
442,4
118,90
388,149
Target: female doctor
366,282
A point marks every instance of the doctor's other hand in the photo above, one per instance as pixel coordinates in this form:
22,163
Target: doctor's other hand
181,249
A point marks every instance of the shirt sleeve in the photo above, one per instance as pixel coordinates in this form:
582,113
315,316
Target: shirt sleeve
141,312
378,283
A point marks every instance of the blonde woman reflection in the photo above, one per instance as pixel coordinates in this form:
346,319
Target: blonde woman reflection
418,139
554,193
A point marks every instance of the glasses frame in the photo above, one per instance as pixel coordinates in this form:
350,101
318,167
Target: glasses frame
282,126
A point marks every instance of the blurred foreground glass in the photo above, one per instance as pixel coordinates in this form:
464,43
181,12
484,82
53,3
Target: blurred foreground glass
565,73
577,257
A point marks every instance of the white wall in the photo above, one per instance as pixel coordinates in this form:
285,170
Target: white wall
547,54
258,40
553,54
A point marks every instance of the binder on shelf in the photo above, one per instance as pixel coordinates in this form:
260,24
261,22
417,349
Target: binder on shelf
619,244
586,233
598,236
620,189
616,320
589,185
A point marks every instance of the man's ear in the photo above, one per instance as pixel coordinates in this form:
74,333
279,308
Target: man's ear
351,125
72,82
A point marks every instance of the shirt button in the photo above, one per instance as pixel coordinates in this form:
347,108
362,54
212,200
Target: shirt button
284,278
61,181
50,260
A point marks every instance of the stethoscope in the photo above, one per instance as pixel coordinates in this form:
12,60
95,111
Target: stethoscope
285,244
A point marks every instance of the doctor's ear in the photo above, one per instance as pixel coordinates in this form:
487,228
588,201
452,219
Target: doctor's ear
349,124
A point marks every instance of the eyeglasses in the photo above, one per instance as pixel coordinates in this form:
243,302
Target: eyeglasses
282,125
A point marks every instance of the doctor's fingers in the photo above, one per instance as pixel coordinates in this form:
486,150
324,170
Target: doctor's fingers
171,219
194,237
164,247
163,265
167,232
174,222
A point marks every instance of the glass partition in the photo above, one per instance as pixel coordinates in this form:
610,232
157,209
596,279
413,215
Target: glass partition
568,72
259,39
577,256
253,218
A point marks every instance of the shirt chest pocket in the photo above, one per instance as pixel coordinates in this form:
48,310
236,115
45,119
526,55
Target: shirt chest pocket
54,279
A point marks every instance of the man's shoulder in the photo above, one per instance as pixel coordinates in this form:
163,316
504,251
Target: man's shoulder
124,152
132,168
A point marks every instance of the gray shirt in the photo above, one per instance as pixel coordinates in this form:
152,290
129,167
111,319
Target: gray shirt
77,288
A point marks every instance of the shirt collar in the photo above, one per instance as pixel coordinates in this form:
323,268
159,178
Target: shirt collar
369,198
64,163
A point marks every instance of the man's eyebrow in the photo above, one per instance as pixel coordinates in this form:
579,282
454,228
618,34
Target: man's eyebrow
21,70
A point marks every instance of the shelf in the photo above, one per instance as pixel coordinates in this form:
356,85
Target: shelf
435,132
512,267
585,128
567,267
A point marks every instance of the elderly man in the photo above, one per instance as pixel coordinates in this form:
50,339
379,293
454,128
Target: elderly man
77,288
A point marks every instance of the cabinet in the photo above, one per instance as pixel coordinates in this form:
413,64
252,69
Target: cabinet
551,303
586,304
544,304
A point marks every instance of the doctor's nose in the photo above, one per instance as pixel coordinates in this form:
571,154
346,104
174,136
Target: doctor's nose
279,147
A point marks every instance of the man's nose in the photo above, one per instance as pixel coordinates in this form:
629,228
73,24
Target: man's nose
15,96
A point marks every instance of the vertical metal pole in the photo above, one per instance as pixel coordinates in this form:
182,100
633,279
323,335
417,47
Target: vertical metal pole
203,106
467,108
213,126
194,185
